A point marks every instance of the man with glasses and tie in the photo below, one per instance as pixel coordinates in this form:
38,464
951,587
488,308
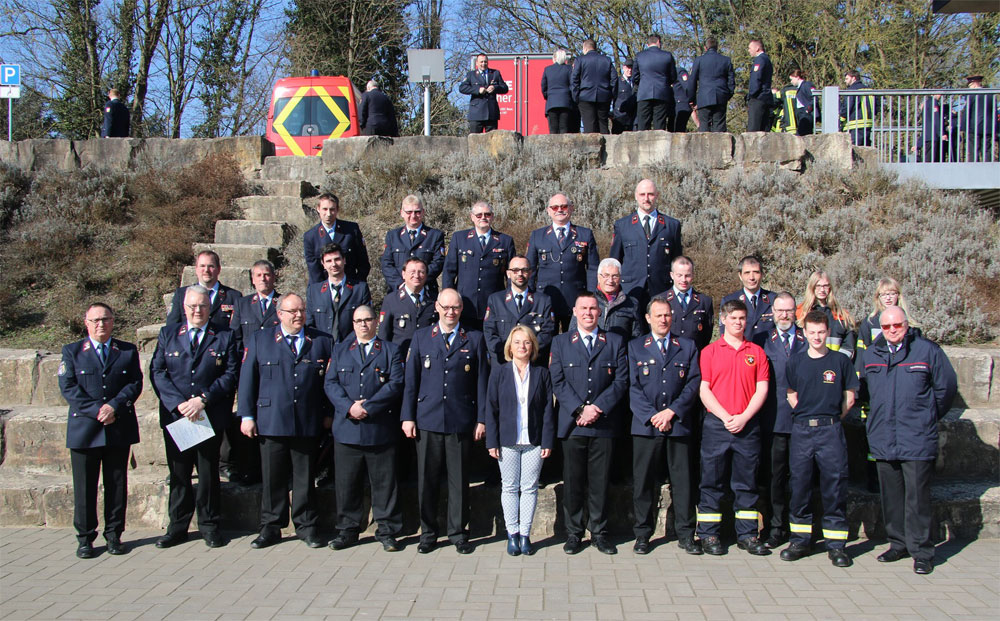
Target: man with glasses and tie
910,384
476,262
664,380
760,317
332,302
692,310
589,369
410,307
518,305
100,378
444,399
412,240
282,403
193,372
563,259
780,344
207,267
482,85
365,384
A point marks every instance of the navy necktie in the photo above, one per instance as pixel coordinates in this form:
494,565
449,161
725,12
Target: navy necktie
194,339
291,338
590,342
786,337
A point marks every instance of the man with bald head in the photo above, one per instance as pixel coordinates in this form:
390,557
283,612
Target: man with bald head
443,403
910,385
476,263
563,259
645,242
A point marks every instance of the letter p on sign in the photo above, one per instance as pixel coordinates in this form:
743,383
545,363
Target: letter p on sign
10,75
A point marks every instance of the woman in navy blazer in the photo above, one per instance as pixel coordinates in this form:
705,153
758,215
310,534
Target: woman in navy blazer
520,432
557,93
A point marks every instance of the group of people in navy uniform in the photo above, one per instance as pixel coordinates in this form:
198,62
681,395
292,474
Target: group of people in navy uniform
610,357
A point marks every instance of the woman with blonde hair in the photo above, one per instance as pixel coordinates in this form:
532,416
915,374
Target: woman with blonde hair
819,296
557,93
520,432
887,293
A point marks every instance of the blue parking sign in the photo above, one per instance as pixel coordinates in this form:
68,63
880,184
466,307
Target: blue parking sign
10,75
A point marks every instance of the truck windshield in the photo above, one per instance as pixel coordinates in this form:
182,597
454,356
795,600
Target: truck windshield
311,116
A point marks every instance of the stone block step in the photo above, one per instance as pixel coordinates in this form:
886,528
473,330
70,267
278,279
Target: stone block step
294,168
278,209
297,188
239,255
963,510
237,277
145,337
243,232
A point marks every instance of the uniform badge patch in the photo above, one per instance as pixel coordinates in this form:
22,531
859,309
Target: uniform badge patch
645,370
468,368
680,374
62,369
829,377
750,360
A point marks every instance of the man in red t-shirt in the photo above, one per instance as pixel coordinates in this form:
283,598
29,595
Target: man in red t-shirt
734,385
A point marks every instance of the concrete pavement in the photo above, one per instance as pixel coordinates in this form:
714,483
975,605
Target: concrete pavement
41,578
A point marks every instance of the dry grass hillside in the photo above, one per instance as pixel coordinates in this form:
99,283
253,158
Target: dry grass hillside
125,237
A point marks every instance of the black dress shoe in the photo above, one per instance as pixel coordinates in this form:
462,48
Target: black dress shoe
641,546
839,558
264,541
389,543
892,555
314,541
573,545
776,539
690,546
794,552
464,547
604,546
170,540
85,551
923,567
116,547
753,545
343,540
426,546
213,539
712,545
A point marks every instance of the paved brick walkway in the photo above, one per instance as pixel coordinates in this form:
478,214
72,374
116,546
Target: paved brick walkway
41,578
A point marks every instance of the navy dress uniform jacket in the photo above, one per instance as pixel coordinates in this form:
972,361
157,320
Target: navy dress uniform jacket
761,72
86,385
428,245
776,414
376,116
320,313
625,106
475,272
284,392
657,383
502,315
211,373
501,408
712,80
594,78
445,389
378,380
695,322
222,311
248,319
646,262
483,106
399,317
562,273
599,378
908,393
654,73
760,320
556,87
348,236
117,122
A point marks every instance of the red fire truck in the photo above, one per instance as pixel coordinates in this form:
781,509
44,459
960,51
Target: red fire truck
305,111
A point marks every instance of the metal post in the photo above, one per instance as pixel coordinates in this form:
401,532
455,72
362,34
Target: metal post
831,109
427,108
10,121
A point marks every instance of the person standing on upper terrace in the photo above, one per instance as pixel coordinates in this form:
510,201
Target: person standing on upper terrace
482,85
595,86
117,123
711,86
759,97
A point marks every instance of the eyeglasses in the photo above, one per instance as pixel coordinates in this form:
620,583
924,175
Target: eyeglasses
782,310
610,276
894,326
413,212
449,309
193,307
560,207
482,215
519,270
293,311
100,320
822,287
889,294
364,320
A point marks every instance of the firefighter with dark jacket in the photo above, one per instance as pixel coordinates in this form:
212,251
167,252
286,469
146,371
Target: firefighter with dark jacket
331,303
412,240
409,307
476,263
760,318
910,385
518,305
857,112
692,310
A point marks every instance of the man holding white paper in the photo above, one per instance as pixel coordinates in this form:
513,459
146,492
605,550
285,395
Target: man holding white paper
193,372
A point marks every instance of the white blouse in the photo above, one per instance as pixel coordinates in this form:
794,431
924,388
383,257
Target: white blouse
521,387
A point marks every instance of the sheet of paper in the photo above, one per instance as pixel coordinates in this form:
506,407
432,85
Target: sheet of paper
187,433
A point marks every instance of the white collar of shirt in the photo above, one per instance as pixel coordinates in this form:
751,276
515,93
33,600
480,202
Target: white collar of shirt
297,335
191,329
419,295
751,295
682,294
337,284
487,234
268,298
454,330
330,230
790,332
662,340
96,344
515,292
584,335
564,227
653,215
416,231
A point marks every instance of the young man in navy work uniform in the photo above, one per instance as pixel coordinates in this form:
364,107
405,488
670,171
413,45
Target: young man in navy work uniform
821,389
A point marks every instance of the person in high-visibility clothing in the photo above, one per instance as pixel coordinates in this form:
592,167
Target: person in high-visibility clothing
857,113
785,109
804,103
